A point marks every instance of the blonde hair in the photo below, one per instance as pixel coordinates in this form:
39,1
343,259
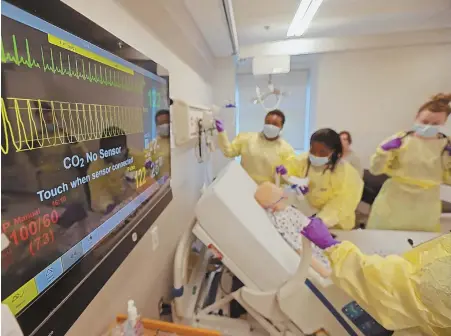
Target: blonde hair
439,103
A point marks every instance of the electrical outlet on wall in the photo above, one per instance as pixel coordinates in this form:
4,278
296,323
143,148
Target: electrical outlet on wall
155,238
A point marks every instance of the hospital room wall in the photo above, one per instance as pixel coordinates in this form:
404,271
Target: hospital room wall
375,93
224,92
146,275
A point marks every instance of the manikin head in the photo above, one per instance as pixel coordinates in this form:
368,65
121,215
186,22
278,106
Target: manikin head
271,197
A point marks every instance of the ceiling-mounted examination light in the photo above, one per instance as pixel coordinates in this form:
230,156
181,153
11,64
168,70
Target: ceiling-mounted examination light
304,15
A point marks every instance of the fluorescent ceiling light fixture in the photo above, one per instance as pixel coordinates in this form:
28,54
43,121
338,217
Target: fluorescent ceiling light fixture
304,15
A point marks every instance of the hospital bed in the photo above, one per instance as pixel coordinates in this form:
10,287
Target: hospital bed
281,294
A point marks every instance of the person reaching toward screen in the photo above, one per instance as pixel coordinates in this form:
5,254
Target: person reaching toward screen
260,152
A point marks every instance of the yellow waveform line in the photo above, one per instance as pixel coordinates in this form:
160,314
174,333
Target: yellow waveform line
24,122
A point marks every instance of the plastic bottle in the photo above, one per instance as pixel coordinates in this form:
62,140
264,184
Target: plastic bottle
133,325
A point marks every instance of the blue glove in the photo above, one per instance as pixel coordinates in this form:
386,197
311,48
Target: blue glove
281,170
318,233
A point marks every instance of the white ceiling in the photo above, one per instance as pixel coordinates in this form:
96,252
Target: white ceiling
335,18
210,18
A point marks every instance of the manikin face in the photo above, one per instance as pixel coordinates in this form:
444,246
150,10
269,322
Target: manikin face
271,197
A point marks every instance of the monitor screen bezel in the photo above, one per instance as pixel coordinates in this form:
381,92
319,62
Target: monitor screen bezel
55,310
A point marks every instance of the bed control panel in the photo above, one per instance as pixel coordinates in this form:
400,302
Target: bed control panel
363,321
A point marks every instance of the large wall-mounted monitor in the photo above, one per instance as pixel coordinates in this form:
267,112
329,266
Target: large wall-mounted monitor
85,158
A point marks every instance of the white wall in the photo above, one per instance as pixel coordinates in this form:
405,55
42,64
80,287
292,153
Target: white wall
145,276
224,84
375,93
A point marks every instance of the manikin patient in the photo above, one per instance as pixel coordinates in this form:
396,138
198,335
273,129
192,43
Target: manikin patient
288,220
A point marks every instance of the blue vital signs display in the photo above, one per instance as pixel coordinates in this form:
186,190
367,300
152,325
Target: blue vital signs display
78,146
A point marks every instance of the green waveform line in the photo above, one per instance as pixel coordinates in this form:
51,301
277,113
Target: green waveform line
106,77
19,60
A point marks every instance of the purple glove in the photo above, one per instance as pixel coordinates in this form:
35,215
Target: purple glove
304,189
109,208
448,149
318,233
148,164
281,170
392,144
219,125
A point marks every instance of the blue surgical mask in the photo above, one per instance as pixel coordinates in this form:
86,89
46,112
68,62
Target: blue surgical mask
163,130
427,131
271,131
318,161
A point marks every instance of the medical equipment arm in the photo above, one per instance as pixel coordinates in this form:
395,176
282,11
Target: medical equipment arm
382,286
231,149
382,159
347,188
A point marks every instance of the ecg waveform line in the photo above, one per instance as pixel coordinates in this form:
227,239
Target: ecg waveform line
23,122
92,73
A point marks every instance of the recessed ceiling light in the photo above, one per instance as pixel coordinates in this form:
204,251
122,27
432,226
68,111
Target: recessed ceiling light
303,17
